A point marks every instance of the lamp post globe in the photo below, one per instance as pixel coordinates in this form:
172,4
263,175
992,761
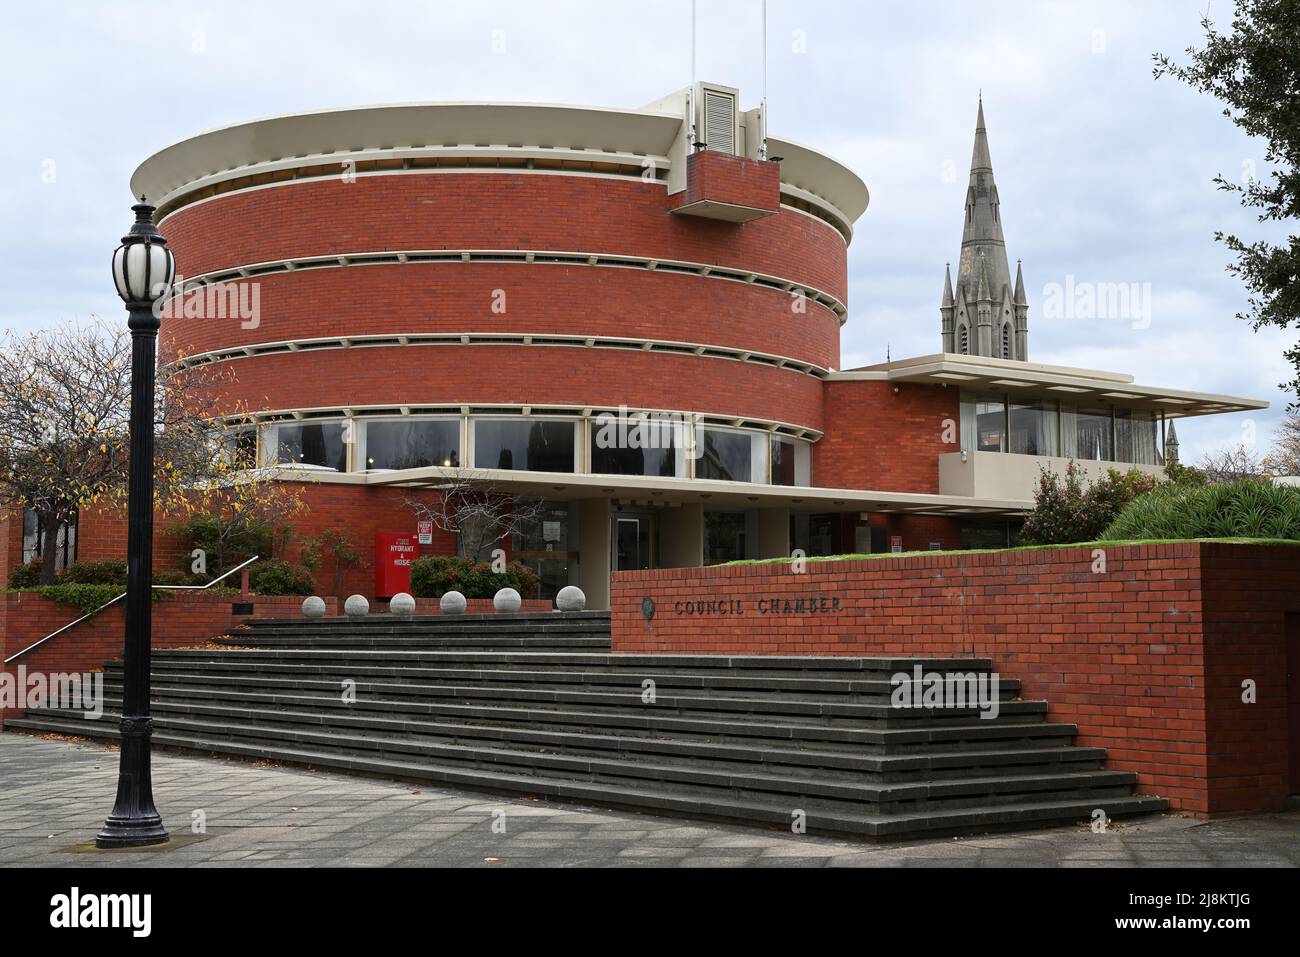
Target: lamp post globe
143,271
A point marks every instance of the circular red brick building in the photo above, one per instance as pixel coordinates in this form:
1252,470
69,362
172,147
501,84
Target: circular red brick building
633,315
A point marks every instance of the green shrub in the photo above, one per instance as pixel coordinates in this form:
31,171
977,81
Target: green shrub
433,577
85,598
1248,508
26,577
1066,512
109,571
225,541
277,577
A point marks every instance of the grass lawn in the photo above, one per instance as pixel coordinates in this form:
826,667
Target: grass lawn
1023,548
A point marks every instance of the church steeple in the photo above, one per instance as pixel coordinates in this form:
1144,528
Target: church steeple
1000,328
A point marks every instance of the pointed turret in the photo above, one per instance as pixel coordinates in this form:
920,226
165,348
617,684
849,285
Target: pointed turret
947,312
1171,445
1020,306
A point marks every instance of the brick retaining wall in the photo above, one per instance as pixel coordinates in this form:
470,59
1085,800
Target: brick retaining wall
1147,656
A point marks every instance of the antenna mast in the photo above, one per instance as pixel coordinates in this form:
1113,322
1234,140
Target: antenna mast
762,147
690,93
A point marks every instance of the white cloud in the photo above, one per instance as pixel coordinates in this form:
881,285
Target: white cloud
1104,172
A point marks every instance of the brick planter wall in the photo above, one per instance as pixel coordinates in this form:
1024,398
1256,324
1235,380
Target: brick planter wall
1147,657
178,622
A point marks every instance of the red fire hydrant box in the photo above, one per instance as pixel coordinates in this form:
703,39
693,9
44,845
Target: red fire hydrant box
394,552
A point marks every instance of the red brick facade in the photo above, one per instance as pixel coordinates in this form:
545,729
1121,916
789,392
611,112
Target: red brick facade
1148,656
178,622
534,299
494,211
713,177
885,437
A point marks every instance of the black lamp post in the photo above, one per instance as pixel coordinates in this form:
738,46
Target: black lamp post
143,269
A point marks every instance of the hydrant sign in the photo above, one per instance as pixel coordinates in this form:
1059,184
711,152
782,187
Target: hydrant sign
394,552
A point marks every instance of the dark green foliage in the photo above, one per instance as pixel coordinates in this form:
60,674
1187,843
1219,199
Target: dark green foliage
109,571
1254,70
276,577
435,576
226,542
1247,508
25,577
1066,512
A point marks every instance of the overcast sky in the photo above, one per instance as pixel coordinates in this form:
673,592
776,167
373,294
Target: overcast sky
1104,173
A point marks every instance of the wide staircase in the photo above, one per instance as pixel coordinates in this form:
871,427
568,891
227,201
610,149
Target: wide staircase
537,705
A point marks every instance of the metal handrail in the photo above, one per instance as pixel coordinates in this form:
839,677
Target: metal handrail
72,624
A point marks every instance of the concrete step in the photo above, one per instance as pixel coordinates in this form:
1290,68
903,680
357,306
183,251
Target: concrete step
736,705
737,803
905,763
874,689
537,704
882,669
772,730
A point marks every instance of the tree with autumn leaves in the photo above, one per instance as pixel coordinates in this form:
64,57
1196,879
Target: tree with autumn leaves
64,436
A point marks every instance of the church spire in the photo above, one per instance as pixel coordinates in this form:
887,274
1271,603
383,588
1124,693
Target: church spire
980,157
984,271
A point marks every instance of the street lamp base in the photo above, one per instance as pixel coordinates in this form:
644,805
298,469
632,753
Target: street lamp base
134,820
131,833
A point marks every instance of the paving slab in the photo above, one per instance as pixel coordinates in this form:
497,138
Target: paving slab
57,792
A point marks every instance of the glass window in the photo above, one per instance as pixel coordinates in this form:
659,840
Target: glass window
542,542
638,444
1032,428
791,462
317,443
1086,434
65,551
412,444
724,537
983,422
1135,436
237,448
731,456
525,445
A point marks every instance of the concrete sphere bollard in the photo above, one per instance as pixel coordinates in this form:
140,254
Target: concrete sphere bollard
356,607
313,607
507,601
403,605
571,599
453,603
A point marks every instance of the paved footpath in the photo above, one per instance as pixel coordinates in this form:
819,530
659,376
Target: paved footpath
54,795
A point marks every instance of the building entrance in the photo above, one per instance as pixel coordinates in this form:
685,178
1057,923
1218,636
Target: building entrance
634,542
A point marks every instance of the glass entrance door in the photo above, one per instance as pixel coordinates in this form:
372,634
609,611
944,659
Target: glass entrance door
633,543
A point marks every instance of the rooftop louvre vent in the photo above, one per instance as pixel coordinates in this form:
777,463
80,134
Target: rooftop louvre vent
720,122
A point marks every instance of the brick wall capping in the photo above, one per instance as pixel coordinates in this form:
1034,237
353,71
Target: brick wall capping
1187,550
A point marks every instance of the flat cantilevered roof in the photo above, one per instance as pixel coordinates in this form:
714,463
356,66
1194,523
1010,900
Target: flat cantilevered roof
1048,381
652,490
